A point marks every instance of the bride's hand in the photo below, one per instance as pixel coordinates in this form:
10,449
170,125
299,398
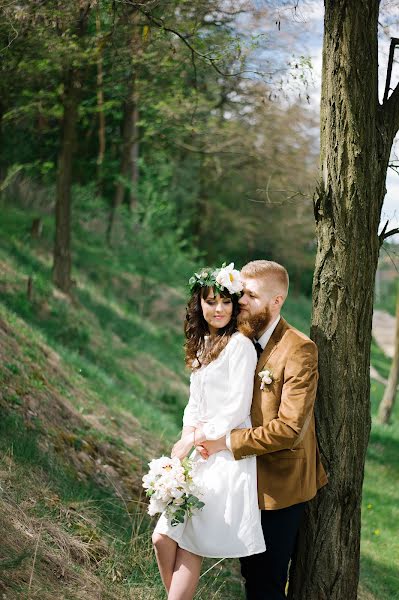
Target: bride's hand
183,446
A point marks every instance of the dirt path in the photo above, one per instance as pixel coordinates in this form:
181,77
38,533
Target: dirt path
374,374
384,331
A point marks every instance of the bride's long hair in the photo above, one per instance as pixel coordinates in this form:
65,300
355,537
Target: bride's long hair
197,352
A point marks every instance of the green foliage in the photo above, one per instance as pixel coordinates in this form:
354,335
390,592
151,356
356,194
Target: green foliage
212,150
388,290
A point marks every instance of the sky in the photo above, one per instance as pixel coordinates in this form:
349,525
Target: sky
309,18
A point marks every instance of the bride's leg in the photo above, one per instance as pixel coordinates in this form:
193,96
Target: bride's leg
186,575
165,552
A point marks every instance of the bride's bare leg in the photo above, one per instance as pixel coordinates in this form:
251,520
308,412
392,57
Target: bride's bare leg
165,552
185,576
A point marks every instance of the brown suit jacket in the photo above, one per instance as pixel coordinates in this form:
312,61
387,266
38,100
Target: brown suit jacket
283,433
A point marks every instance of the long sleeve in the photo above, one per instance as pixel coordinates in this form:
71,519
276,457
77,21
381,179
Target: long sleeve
190,416
241,369
295,411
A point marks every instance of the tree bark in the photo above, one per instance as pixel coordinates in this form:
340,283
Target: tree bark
129,169
2,170
356,137
72,84
62,244
388,400
100,108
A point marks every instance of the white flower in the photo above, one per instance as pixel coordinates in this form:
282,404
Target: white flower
266,378
155,506
148,481
170,486
177,492
229,278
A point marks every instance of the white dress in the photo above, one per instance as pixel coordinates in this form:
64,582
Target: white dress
220,400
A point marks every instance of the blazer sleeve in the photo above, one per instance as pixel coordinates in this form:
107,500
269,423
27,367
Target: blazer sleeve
241,369
295,412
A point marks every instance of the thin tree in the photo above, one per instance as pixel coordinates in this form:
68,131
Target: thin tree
72,84
357,133
129,171
100,104
388,399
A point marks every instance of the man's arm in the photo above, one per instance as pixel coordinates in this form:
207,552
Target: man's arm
295,412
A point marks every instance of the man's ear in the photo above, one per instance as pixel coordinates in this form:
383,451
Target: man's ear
279,301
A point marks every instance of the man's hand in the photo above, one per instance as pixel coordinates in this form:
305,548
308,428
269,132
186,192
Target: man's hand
213,446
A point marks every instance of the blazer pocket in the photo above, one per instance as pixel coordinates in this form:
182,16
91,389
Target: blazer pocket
283,454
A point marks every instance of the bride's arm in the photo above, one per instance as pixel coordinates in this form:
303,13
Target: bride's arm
186,430
242,365
190,421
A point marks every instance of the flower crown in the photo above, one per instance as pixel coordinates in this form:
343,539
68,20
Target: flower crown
219,279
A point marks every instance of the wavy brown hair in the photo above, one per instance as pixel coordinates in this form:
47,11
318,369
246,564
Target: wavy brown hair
197,353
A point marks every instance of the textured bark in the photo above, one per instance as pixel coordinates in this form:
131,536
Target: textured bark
129,169
100,107
72,84
388,400
356,138
62,244
2,171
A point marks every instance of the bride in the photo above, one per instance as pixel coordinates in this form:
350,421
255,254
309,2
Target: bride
223,363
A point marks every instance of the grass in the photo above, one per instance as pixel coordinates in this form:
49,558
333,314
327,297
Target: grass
76,403
380,507
80,420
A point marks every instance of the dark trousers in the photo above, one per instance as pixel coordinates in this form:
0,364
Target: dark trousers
265,574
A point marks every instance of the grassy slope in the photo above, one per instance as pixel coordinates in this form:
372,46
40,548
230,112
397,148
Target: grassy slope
78,424
90,390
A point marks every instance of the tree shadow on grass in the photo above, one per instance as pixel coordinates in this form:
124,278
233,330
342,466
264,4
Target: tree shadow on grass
381,580
384,449
162,344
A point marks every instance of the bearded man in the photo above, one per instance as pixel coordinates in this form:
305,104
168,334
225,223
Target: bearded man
282,436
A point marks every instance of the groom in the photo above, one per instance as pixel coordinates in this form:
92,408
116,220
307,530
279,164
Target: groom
283,427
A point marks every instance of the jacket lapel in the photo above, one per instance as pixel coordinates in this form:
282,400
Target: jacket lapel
271,345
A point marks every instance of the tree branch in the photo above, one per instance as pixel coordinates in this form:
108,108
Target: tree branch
194,52
386,234
391,105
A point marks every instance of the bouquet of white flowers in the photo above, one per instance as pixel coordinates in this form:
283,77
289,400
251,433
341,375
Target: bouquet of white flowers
171,487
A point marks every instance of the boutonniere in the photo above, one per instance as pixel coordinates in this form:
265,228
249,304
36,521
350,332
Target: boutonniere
266,378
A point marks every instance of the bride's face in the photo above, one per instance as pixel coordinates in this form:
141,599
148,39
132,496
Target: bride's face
217,311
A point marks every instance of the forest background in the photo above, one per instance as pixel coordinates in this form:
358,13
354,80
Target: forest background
139,141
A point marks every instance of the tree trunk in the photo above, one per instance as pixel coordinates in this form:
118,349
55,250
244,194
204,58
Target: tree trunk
129,173
355,145
62,245
72,85
134,157
129,170
388,400
2,170
100,108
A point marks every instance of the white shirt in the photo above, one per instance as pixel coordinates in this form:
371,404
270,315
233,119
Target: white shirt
265,337
263,340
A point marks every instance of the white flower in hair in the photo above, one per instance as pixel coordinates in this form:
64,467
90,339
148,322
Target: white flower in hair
229,278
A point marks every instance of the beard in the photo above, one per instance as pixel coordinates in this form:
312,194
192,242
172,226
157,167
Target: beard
254,325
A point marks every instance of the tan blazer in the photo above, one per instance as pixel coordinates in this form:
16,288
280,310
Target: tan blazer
283,427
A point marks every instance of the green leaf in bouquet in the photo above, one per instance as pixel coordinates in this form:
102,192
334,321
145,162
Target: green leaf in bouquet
178,517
